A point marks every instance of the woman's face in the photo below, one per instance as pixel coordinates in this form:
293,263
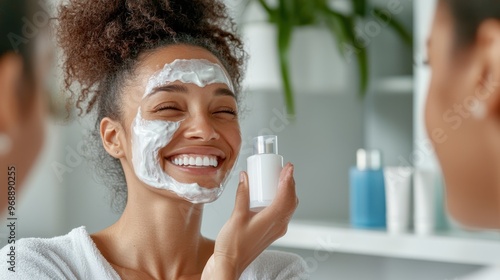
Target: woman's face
466,141
206,144
23,111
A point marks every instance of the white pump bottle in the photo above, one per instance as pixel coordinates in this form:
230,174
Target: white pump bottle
264,169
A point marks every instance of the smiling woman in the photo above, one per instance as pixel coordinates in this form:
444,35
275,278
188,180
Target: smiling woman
163,80
199,182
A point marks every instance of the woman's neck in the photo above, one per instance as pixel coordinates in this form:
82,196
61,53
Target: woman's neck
158,235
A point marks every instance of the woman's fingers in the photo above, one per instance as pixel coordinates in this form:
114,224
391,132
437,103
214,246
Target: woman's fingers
208,271
242,204
286,196
247,234
282,208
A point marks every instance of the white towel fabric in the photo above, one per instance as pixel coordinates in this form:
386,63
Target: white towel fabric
75,256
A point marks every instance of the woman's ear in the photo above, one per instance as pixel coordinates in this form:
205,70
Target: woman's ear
488,43
11,74
110,134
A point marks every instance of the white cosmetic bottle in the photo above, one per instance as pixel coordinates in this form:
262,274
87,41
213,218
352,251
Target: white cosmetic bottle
424,194
264,169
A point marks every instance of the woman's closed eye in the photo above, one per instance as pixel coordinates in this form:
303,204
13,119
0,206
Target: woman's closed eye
174,110
168,111
229,111
167,107
226,113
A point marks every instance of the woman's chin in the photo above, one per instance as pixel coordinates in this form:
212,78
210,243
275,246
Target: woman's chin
205,176
202,181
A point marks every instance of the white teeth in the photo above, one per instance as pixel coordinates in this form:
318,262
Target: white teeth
206,161
187,160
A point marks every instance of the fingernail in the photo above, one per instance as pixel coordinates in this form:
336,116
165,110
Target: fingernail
242,177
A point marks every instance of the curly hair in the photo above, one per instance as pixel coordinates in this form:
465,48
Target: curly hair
102,42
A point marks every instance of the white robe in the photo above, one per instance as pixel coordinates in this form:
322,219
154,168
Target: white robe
75,256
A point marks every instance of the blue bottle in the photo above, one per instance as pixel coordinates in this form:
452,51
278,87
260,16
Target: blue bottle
367,190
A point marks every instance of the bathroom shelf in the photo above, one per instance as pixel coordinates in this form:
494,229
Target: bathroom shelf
394,85
449,246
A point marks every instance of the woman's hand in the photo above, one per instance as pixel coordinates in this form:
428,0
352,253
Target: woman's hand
247,234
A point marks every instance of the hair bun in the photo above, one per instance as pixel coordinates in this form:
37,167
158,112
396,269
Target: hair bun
99,38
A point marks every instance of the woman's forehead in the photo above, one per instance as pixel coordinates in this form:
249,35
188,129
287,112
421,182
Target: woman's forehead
155,60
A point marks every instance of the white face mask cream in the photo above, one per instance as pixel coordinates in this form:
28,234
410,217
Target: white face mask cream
200,72
150,136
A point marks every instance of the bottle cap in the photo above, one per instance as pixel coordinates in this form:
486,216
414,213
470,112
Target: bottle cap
368,159
265,144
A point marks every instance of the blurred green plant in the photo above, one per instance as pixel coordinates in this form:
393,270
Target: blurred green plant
287,15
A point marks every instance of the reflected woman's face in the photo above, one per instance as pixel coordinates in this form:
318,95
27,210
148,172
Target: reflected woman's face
206,144
466,146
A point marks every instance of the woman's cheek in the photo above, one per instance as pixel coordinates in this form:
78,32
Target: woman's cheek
236,139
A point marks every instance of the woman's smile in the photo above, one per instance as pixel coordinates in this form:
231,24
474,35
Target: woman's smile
197,160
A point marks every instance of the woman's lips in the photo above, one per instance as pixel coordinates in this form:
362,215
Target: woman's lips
197,160
196,170
198,150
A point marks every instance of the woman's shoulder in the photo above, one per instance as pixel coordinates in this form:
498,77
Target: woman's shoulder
276,265
62,257
43,245
39,258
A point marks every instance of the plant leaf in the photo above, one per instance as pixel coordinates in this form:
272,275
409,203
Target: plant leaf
396,25
361,54
335,22
343,29
359,7
304,12
266,7
284,39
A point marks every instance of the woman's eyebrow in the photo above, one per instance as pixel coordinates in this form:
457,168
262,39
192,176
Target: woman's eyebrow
169,88
224,92
183,89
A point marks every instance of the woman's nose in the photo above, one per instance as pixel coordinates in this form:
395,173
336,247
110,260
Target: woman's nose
200,127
